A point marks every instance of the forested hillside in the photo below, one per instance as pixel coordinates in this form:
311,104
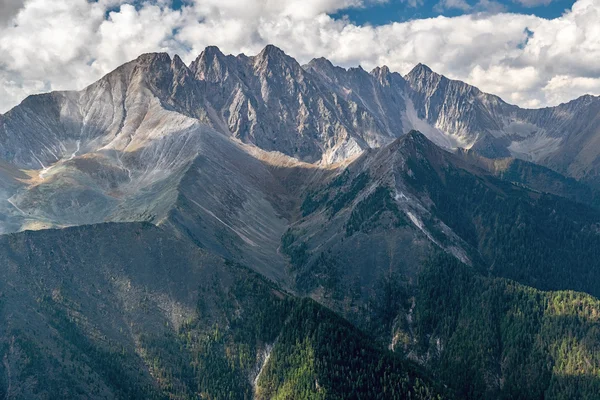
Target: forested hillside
127,311
494,338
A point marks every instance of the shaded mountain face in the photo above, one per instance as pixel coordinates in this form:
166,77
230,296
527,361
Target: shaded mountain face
128,311
383,215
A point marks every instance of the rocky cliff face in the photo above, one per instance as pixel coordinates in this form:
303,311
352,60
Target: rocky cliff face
315,113
273,102
454,107
562,138
223,151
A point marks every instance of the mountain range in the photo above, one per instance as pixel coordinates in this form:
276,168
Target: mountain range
204,230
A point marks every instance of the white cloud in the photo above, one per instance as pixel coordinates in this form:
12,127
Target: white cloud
563,87
490,7
452,5
66,44
413,3
533,3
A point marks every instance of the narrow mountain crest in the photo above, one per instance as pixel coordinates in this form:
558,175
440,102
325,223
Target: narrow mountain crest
420,71
211,65
272,56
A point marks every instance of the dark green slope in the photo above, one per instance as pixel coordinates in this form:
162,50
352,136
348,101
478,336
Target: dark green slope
318,357
494,338
538,239
127,311
362,241
535,177
387,211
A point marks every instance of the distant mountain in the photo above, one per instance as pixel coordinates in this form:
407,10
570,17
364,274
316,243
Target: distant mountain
562,138
271,101
159,141
315,113
360,190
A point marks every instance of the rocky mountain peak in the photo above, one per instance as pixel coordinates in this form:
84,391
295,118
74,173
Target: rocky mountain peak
320,63
421,70
382,75
273,55
160,70
415,136
384,70
585,100
212,52
424,79
421,77
154,60
416,142
271,50
324,68
276,71
177,62
414,146
358,71
147,67
328,72
211,65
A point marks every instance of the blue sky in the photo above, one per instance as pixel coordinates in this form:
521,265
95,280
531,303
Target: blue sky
402,10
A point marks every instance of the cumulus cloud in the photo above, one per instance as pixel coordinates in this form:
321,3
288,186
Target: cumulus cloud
530,61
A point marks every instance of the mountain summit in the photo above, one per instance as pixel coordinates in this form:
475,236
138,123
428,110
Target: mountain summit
315,113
